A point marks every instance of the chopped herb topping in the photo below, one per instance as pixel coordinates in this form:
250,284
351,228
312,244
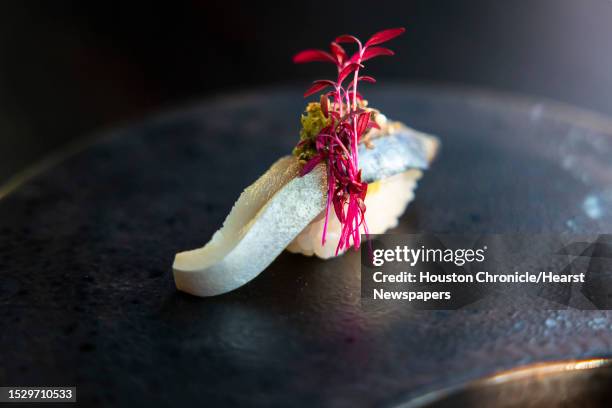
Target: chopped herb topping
313,121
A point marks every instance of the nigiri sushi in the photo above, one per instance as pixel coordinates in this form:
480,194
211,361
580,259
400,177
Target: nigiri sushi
352,172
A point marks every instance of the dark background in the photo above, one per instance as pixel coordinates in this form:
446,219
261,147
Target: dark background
68,68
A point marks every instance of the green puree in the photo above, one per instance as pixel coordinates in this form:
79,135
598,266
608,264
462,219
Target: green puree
312,122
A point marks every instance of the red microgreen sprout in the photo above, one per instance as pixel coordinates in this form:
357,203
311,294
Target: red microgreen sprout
337,143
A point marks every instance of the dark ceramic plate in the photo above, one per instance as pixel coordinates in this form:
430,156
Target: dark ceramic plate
86,290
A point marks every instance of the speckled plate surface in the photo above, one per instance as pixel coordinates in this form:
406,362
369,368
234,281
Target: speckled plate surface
86,290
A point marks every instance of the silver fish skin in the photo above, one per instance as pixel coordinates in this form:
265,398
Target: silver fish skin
398,152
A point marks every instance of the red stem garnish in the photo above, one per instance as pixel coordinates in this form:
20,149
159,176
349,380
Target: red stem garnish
337,143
